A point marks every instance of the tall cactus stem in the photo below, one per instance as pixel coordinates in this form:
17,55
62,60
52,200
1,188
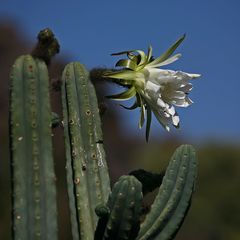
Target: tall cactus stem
173,200
87,172
33,177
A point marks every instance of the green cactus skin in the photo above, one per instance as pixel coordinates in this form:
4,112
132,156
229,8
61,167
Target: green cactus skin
173,200
87,172
125,203
33,178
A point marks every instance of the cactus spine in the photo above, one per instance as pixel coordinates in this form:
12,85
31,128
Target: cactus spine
34,193
87,173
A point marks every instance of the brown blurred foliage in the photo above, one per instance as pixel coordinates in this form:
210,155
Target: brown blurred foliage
215,210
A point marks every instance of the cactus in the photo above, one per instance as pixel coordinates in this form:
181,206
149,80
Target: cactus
96,213
124,206
33,181
173,199
168,210
87,173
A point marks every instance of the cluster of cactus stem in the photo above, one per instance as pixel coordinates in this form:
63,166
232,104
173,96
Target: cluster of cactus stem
96,211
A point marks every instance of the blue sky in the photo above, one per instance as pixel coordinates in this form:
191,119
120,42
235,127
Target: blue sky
90,30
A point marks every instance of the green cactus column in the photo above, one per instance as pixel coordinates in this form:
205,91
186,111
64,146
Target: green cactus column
87,172
173,200
121,221
33,178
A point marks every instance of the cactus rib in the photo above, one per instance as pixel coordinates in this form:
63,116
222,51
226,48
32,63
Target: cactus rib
34,191
172,202
87,173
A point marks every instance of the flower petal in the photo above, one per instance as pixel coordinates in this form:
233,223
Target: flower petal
175,120
186,88
171,110
152,87
164,121
184,76
194,75
160,76
161,103
182,102
179,94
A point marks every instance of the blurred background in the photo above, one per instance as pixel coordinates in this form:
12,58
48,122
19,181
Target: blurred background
89,31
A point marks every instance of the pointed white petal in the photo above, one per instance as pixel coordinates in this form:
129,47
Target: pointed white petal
171,110
162,119
175,120
186,88
167,128
189,100
161,103
179,95
194,75
150,86
182,102
186,76
167,115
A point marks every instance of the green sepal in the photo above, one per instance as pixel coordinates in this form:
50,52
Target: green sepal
149,120
123,74
134,106
142,56
149,55
142,117
127,63
131,92
131,56
142,114
122,53
168,53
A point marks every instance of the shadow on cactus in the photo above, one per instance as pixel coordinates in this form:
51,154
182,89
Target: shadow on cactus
97,212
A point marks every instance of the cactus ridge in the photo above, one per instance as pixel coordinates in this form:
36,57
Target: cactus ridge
34,192
88,180
125,206
173,199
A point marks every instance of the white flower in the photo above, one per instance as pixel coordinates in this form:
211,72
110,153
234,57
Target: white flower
156,90
165,89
